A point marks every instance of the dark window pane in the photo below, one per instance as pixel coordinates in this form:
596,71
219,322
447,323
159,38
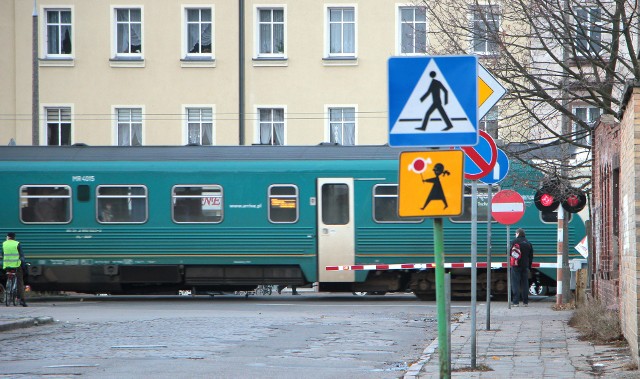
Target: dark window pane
335,204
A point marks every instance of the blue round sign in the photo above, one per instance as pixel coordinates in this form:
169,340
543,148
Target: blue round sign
499,171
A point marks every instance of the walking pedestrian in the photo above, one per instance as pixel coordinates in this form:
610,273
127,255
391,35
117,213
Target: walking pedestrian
13,259
521,268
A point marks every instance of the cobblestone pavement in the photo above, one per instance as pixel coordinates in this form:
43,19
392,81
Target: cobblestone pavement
238,340
526,342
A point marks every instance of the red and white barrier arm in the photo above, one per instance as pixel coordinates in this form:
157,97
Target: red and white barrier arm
410,266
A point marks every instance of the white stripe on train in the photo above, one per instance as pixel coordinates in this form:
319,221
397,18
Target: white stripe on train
408,266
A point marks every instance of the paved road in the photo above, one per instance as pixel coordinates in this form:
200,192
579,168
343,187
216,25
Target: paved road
283,336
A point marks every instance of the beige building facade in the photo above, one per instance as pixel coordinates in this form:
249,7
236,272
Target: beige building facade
170,73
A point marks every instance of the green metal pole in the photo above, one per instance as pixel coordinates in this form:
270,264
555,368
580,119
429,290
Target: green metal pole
443,322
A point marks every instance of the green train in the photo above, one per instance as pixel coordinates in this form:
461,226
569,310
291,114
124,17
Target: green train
159,219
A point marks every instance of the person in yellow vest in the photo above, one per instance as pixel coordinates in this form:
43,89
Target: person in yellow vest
13,258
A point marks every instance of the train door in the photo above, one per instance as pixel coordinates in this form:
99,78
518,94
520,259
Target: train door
336,232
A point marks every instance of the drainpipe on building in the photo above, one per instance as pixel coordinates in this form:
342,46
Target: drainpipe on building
241,73
35,91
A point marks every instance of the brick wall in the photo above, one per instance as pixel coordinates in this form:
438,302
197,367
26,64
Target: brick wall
629,212
605,220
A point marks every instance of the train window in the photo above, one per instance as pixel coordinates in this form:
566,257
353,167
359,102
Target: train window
121,204
283,203
47,204
385,205
335,204
482,205
83,192
552,217
197,203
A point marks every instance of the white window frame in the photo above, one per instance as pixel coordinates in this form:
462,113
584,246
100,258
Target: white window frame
45,31
257,123
400,22
256,26
327,128
473,38
492,115
114,33
327,32
114,112
185,124
185,32
43,123
589,37
584,139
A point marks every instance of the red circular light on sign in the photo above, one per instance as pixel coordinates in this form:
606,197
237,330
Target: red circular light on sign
573,200
546,200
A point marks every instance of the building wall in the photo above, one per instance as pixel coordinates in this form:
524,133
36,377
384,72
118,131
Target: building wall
8,74
630,209
93,83
606,235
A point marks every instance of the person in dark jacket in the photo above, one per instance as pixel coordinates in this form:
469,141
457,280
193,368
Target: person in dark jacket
520,273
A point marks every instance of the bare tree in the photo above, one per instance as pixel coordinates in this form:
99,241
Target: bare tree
564,63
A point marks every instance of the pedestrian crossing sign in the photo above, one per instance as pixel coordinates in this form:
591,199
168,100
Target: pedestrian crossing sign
430,183
433,101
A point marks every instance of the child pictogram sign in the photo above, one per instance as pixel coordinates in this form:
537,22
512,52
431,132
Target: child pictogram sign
430,183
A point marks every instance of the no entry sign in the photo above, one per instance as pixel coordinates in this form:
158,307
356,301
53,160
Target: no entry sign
507,207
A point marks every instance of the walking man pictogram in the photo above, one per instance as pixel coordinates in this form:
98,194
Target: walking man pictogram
436,193
434,90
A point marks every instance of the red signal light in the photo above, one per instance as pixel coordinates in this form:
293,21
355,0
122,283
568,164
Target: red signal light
546,200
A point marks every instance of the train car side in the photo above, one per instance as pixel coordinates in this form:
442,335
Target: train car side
187,218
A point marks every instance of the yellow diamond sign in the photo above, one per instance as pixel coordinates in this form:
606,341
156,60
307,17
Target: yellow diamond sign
490,91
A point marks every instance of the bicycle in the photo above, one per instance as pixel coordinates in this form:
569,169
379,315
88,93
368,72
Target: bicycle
11,289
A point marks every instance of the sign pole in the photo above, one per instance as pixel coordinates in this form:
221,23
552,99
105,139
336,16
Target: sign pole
474,270
443,322
508,267
489,195
560,250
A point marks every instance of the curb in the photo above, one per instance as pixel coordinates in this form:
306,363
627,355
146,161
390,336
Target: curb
24,323
414,370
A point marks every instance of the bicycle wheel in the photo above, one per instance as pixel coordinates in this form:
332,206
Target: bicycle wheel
13,295
7,292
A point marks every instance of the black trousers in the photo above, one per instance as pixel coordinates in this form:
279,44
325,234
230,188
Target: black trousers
519,285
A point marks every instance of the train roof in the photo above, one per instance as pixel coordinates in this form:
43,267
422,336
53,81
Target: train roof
196,153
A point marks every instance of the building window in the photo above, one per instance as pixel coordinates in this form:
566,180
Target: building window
200,126
58,32
121,204
385,205
58,126
588,30
342,31
486,24
271,32
129,126
342,126
413,30
489,123
283,203
197,203
129,31
45,204
588,115
271,123
199,32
